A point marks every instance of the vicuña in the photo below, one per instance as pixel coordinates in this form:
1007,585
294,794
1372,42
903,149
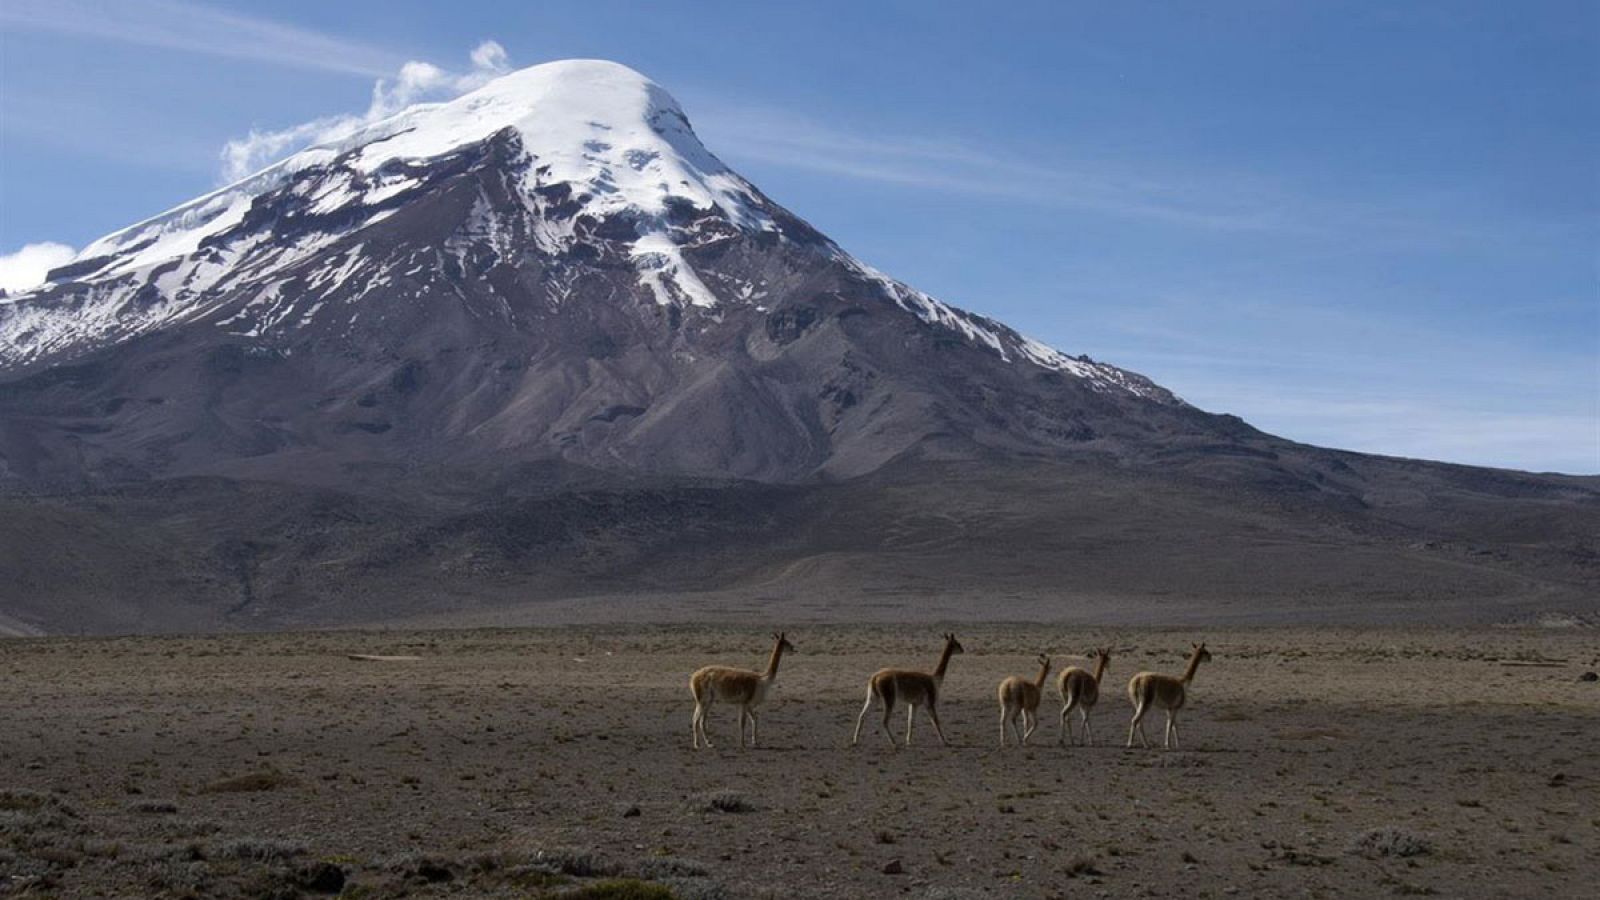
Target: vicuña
741,686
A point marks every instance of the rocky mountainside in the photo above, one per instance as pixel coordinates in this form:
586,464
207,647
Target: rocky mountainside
539,342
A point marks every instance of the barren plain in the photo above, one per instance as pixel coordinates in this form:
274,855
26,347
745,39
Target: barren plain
535,762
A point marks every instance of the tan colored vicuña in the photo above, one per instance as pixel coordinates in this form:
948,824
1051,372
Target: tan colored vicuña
746,688
1017,696
912,688
1148,689
1080,690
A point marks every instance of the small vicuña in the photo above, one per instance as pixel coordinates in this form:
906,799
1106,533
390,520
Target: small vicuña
1017,696
1080,690
1148,689
741,686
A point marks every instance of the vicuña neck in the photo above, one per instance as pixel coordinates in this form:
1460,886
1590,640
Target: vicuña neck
944,661
772,664
1194,663
1044,669
1100,669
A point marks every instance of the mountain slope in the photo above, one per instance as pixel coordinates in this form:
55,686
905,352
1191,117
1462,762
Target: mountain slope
398,357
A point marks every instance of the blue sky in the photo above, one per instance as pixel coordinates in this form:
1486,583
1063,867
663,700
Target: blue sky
1363,225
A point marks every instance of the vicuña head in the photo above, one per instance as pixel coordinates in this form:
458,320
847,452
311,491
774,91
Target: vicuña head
912,688
1148,689
1080,690
744,687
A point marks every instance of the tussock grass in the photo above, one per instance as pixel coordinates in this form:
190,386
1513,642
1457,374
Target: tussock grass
260,849
578,862
265,780
723,802
1390,841
621,889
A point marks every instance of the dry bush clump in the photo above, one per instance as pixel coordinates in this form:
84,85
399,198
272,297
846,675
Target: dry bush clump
660,868
620,889
153,807
253,849
1390,841
22,800
723,802
265,780
695,889
577,862
428,868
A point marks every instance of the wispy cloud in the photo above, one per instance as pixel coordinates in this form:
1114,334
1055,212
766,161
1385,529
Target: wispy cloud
27,267
791,140
1152,190
190,27
415,82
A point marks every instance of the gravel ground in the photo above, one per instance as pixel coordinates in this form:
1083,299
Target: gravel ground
1322,762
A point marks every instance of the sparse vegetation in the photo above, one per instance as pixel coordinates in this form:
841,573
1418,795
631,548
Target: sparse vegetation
1390,841
542,820
265,780
620,889
260,849
724,802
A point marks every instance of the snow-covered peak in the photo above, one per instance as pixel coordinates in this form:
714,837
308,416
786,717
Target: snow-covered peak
599,126
585,122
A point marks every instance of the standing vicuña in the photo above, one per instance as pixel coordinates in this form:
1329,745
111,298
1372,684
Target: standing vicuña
1149,689
1080,690
741,686
913,688
1019,695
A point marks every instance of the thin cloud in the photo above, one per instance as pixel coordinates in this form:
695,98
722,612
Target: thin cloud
415,82
792,141
190,27
27,267
1146,190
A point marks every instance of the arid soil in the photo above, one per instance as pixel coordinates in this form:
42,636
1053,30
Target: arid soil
532,762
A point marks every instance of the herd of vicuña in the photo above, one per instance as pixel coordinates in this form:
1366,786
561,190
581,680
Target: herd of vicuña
1019,697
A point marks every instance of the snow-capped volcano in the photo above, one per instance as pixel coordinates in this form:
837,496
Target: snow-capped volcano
556,210
596,139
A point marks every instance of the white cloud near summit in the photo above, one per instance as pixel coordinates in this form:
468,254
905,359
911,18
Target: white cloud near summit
415,82
27,267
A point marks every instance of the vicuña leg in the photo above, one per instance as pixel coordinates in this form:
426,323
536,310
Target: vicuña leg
753,721
1066,726
705,735
1088,733
1004,713
1137,725
933,713
911,716
865,708
1030,723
